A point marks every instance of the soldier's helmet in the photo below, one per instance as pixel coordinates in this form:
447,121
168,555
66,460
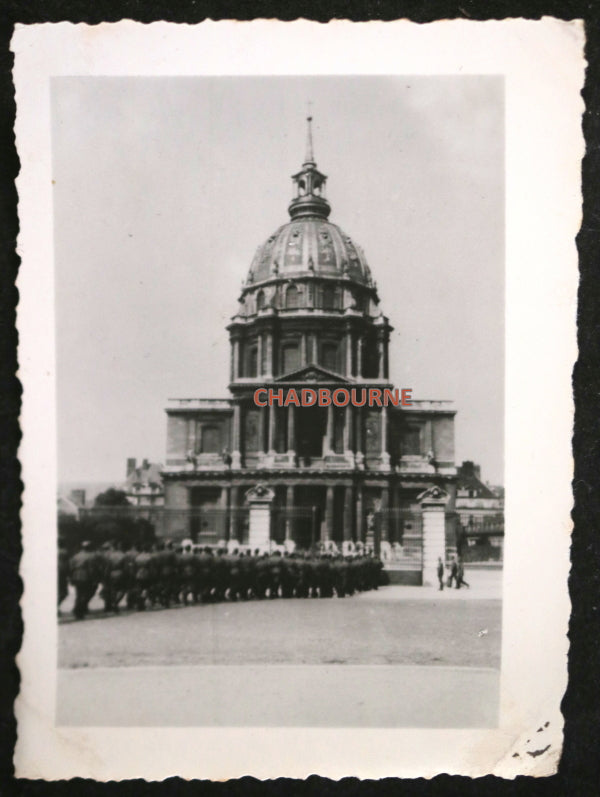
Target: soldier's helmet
106,546
86,545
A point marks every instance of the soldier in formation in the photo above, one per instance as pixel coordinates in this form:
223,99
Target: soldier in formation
163,575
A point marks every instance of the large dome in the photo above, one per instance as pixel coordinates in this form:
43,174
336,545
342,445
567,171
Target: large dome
310,245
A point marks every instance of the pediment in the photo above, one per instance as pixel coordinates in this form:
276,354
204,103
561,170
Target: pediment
313,373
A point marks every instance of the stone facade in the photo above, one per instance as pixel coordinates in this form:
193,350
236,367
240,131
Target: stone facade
308,316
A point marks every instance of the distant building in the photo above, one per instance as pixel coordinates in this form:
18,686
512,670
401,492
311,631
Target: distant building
480,508
66,507
78,497
144,485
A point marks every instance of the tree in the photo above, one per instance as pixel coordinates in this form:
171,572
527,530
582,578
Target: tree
112,497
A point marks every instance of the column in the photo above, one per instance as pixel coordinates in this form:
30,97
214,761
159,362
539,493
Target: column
259,368
348,535
314,354
269,357
303,353
236,457
224,513
380,357
328,447
428,436
260,499
291,429
386,360
349,354
262,421
235,360
359,357
359,438
360,521
272,422
385,503
433,505
289,505
328,522
385,457
233,514
348,429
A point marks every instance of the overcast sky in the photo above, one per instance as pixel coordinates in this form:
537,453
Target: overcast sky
164,188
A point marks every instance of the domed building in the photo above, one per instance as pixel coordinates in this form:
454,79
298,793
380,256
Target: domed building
308,317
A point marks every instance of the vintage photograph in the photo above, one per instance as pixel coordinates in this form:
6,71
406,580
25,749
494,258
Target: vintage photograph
296,338
280,361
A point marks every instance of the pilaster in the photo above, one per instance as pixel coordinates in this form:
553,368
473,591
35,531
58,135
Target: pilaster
433,507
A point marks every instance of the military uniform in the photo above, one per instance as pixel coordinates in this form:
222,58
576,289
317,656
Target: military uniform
82,568
114,579
145,578
63,574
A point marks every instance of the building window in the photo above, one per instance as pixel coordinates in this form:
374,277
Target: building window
252,360
329,356
211,440
291,297
370,361
290,357
372,430
260,301
328,297
411,441
251,426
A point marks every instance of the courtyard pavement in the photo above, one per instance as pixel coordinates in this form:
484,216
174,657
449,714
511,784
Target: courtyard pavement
396,657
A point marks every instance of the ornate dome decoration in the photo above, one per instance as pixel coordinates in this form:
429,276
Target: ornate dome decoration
309,244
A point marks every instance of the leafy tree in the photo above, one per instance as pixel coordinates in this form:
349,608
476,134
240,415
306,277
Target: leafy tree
112,497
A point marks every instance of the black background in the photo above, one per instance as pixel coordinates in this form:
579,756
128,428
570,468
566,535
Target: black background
579,770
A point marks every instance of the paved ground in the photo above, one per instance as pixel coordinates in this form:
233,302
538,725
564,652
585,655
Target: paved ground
392,625
302,696
395,657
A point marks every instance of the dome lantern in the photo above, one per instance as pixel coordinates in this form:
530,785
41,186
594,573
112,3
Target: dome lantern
310,186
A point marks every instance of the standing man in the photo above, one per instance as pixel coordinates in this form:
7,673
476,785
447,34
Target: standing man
440,572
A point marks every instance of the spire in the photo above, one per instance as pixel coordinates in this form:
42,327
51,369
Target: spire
310,185
309,159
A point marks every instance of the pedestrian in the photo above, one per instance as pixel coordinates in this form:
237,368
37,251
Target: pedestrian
460,575
440,572
453,573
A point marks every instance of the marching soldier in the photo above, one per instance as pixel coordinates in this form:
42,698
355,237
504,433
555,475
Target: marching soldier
144,578
82,568
262,575
63,573
205,574
288,576
114,577
339,570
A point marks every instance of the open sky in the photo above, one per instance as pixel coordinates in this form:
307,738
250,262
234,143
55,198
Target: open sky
164,188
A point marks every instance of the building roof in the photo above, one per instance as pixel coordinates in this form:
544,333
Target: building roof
469,480
309,244
66,506
147,474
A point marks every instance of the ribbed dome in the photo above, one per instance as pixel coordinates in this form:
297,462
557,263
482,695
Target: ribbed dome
312,246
